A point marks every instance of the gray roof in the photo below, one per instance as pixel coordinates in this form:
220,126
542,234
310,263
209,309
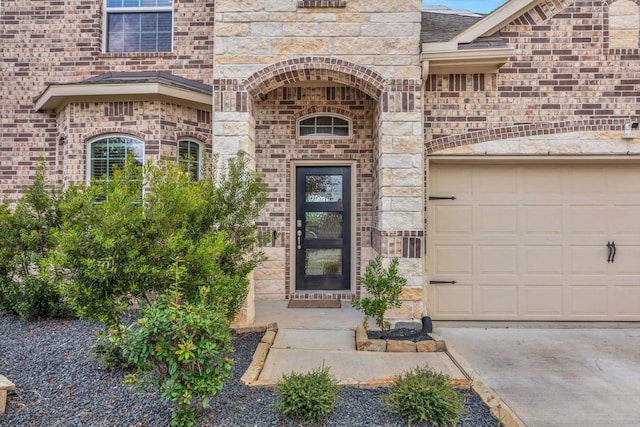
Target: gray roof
440,27
149,77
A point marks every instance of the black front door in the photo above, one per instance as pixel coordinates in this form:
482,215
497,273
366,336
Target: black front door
323,228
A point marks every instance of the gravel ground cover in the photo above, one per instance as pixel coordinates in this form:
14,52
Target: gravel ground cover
59,384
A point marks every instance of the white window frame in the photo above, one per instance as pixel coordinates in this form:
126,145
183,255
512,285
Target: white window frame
324,136
102,137
105,24
200,151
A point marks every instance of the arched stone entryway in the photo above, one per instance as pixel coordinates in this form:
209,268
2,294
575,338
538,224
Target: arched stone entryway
383,153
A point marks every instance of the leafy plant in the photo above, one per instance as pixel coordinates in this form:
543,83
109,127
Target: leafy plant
118,242
385,286
26,242
422,394
183,349
307,397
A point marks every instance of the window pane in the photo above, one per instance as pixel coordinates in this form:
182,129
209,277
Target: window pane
323,188
114,3
341,131
319,262
323,225
110,153
139,32
324,120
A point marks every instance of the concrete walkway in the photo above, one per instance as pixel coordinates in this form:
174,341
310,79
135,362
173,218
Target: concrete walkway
309,338
553,374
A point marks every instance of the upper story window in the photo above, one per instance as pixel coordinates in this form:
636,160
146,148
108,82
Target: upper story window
138,25
323,126
189,155
109,153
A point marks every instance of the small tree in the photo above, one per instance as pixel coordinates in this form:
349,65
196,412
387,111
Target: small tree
183,349
26,242
385,286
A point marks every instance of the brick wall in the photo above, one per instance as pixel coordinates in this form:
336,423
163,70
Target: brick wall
564,76
277,145
45,42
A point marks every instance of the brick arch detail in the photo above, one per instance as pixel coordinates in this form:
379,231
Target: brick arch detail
200,137
526,130
321,109
107,131
314,68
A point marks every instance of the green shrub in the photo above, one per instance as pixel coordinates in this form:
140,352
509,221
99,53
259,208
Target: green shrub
183,349
115,250
26,242
307,397
422,394
385,286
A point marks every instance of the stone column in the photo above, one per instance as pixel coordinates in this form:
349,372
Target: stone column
233,130
400,213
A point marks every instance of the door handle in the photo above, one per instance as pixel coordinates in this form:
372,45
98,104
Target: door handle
299,234
610,251
613,256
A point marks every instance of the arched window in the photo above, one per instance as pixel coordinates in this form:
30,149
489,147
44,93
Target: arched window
322,126
189,157
110,152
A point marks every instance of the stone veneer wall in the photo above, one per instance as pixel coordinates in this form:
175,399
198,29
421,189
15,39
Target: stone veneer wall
568,74
61,42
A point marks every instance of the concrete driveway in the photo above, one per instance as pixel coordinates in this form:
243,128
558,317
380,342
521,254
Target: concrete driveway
553,374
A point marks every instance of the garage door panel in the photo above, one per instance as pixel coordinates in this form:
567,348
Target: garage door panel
626,300
453,259
542,220
501,260
452,301
543,300
589,300
541,183
587,220
452,180
501,220
498,184
454,220
542,259
587,259
585,180
497,301
625,221
627,260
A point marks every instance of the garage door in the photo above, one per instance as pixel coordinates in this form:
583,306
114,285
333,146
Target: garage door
534,241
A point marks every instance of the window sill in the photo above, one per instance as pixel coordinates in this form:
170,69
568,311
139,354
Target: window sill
137,54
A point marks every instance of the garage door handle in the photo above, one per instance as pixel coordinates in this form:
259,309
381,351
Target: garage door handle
612,251
613,256
442,282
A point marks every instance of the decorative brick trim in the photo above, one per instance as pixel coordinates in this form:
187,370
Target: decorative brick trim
398,243
112,130
198,136
402,96
315,68
229,95
525,130
322,3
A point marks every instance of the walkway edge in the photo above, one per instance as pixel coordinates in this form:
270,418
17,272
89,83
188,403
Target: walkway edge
505,415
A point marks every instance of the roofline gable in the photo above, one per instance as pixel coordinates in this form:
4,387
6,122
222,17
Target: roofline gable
495,20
